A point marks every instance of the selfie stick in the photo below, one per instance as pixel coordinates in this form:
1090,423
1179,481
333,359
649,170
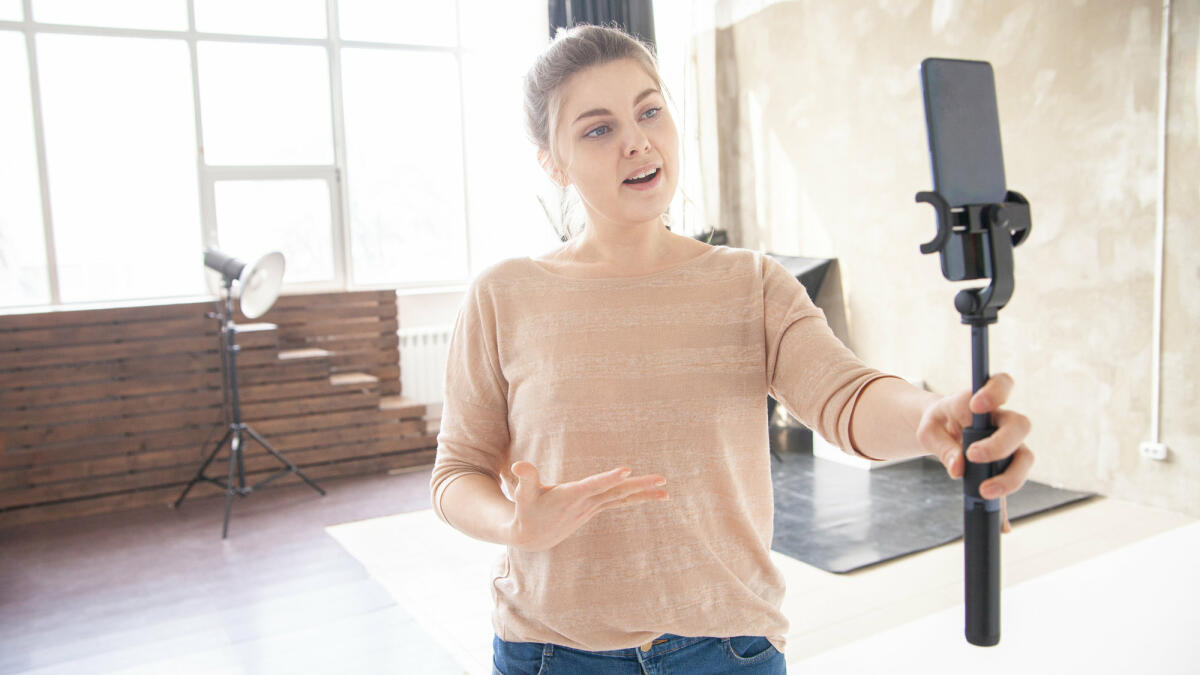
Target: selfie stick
975,242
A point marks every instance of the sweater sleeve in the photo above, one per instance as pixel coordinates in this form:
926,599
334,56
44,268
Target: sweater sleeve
809,371
473,437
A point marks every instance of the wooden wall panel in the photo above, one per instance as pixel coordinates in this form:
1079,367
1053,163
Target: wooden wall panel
109,409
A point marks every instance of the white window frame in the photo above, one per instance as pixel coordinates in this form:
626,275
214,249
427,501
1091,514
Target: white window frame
334,174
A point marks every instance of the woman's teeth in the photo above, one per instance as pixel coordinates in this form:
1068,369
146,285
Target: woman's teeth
643,179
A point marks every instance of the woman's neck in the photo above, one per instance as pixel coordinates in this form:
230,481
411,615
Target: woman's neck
629,247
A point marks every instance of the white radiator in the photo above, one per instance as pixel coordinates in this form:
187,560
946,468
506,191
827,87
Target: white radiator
423,352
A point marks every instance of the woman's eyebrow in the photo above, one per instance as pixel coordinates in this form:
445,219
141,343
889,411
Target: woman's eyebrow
595,112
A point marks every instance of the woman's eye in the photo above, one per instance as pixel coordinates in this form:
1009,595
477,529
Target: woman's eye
653,112
593,133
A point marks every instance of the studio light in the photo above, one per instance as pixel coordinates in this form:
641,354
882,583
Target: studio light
256,286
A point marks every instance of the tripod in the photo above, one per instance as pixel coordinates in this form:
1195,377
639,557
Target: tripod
229,351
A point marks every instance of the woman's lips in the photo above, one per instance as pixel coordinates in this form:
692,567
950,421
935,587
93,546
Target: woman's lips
648,185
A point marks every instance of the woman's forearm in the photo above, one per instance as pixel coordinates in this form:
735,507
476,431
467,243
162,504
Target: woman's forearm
886,416
475,506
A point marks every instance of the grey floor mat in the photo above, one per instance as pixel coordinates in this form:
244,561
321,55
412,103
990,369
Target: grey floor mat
841,519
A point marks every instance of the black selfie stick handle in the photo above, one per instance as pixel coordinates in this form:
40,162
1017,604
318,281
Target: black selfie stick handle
981,517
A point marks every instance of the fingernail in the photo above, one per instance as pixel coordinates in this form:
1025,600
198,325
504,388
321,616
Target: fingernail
989,492
984,401
661,481
625,473
950,459
975,454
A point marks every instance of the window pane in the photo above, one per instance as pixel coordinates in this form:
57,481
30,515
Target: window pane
153,14
287,18
10,10
121,157
255,217
503,176
23,279
265,104
407,21
404,166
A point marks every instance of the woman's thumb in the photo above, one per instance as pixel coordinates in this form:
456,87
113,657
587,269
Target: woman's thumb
525,471
527,476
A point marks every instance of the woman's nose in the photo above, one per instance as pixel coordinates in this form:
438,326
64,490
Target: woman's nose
637,143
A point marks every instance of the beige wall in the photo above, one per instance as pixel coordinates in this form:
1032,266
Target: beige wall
821,147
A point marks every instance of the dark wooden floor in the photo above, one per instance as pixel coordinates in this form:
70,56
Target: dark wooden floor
157,589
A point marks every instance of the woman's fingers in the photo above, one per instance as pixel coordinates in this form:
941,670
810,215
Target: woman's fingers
1011,430
635,490
992,394
1013,477
527,480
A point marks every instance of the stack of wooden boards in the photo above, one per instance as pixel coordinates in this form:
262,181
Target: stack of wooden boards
108,409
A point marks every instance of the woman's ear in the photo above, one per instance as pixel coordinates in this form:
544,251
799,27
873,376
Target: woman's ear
551,170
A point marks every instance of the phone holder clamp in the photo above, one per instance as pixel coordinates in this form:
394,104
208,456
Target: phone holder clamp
976,242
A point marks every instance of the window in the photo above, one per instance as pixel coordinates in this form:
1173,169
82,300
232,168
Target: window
404,160
123,189
375,143
150,14
24,279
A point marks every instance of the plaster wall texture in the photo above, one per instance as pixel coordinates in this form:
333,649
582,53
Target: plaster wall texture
822,146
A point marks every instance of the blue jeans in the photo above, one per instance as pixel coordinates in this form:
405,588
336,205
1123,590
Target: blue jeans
668,654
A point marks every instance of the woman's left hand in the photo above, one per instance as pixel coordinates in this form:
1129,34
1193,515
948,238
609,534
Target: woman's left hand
940,432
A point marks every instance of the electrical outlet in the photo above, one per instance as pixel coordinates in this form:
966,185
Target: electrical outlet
1153,450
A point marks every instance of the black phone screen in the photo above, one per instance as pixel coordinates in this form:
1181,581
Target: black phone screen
964,131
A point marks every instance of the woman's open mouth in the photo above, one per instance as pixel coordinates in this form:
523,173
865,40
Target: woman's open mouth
644,182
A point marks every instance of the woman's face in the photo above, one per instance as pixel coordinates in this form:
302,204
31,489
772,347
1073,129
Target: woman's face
612,125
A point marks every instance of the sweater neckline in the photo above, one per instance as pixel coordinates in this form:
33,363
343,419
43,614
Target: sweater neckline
648,275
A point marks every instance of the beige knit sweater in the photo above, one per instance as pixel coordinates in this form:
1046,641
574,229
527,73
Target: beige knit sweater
666,373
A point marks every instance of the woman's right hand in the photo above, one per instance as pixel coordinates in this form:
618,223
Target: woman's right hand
547,514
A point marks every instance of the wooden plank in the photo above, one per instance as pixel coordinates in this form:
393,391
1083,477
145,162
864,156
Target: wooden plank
51,317
313,332
341,362
125,463
282,371
305,459
288,390
294,407
388,373
331,315
353,380
190,362
403,406
262,357
30,397
178,440
271,428
29,358
333,297
343,344
120,407
109,427
106,332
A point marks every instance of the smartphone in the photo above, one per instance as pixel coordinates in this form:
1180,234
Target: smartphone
964,131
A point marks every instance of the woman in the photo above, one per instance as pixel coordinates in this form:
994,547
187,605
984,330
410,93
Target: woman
636,348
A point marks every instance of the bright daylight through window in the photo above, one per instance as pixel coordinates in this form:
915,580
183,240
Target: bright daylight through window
375,143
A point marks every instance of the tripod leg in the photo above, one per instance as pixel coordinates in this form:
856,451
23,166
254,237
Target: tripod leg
235,449
200,473
283,459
